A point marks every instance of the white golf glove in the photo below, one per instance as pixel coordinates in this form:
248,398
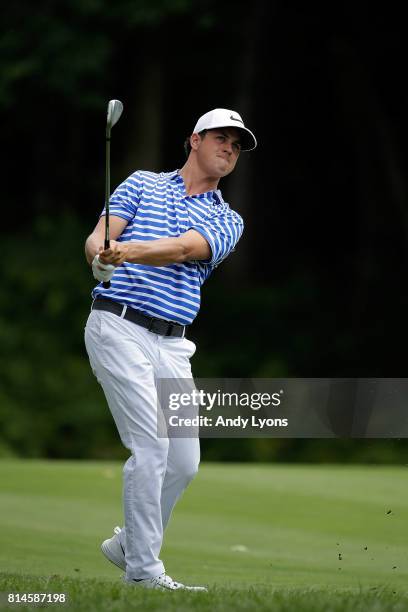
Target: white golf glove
102,272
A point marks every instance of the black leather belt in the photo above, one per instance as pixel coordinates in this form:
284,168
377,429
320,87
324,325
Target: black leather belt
157,326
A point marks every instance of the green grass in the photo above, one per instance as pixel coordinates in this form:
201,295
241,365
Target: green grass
267,537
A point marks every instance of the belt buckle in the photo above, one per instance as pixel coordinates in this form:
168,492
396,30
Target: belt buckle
151,324
156,329
169,330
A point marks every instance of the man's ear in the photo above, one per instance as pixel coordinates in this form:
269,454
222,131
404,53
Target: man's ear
195,140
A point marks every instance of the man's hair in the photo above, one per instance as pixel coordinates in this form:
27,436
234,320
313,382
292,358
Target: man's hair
187,145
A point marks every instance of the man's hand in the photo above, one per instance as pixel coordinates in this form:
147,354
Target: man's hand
102,272
115,255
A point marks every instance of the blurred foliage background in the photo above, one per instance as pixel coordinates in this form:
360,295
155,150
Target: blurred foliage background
317,287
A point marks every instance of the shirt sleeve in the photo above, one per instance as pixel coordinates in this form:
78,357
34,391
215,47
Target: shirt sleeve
222,232
125,199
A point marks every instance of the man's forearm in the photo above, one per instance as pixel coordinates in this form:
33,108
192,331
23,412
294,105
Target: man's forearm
190,246
160,252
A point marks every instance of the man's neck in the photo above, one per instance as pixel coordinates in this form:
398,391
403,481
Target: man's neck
196,181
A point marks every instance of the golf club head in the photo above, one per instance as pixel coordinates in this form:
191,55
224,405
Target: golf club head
115,108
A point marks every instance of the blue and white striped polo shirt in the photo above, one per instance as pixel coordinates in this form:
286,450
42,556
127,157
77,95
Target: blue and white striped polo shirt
157,206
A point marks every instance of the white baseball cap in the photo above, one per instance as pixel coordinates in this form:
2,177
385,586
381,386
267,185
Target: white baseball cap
222,117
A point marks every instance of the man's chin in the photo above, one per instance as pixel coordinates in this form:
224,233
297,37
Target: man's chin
226,172
224,169
218,171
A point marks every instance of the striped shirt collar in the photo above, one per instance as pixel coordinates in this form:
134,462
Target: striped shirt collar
214,194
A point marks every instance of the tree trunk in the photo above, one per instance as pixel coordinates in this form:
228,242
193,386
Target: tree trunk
240,188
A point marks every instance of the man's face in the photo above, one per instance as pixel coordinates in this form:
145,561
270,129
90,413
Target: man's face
218,151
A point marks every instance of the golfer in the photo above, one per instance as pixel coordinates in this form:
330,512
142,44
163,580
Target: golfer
168,232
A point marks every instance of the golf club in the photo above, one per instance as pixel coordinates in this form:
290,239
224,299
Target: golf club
115,108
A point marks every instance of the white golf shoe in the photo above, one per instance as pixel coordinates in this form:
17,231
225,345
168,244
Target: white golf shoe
113,550
164,583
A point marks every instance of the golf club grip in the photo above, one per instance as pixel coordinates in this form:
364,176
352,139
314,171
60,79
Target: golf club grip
106,284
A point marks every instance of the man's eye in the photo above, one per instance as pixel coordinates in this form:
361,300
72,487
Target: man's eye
220,137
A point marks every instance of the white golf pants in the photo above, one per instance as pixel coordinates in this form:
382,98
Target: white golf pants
127,360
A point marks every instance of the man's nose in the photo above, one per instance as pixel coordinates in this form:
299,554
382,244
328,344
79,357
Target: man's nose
227,147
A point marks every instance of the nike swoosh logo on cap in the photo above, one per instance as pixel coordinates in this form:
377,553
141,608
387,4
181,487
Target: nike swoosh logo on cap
236,119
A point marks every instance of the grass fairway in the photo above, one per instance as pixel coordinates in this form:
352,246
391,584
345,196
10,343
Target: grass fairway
269,537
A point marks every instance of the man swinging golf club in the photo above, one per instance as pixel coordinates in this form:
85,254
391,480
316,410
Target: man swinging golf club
168,232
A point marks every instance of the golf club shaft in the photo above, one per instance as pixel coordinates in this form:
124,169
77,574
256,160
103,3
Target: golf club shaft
106,284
